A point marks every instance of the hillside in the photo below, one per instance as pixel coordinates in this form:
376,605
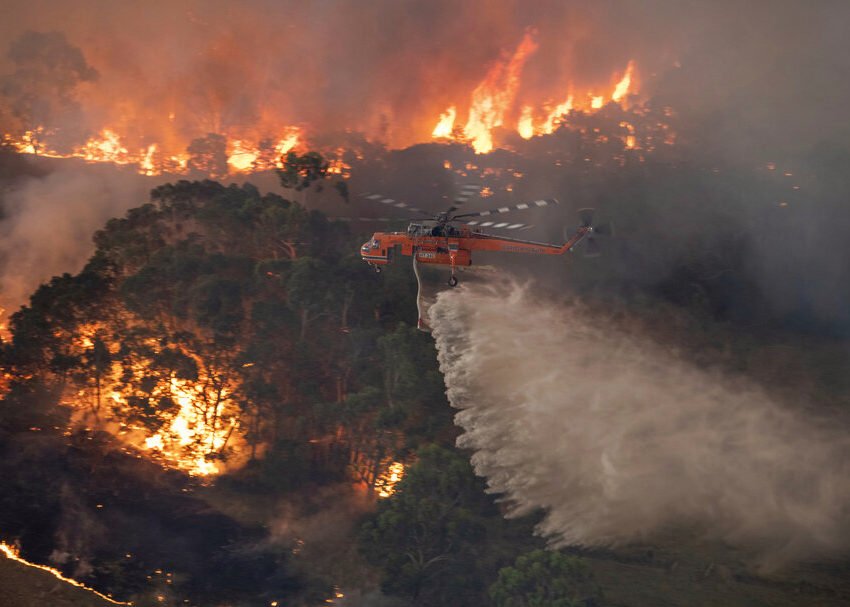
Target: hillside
22,585
227,393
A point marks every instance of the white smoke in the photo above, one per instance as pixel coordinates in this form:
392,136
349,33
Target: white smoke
617,438
48,224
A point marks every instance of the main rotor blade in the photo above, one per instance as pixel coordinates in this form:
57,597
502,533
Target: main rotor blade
506,225
392,202
368,219
465,192
517,207
604,229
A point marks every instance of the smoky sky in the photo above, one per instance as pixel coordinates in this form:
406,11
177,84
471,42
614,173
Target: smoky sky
748,82
49,222
772,68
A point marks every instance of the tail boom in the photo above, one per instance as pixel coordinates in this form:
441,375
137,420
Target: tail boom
510,245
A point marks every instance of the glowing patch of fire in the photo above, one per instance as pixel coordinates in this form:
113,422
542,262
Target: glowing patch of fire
191,440
107,146
446,124
385,484
494,96
197,435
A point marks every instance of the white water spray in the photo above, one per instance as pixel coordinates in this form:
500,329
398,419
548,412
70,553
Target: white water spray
617,438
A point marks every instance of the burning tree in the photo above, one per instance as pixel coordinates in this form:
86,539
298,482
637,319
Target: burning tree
208,156
39,94
206,331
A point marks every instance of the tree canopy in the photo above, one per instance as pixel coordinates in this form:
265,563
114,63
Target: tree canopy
440,536
546,578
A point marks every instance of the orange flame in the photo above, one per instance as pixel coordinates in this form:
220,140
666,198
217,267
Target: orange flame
622,88
386,483
146,166
446,124
108,146
288,142
556,115
242,156
494,96
525,126
155,140
630,140
188,438
193,436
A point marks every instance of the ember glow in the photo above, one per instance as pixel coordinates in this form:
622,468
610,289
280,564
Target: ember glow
11,552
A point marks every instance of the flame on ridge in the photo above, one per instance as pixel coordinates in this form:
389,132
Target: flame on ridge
244,155
11,552
495,96
554,118
525,126
498,100
492,99
622,88
446,124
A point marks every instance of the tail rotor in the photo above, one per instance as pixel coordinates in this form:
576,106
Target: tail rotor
594,232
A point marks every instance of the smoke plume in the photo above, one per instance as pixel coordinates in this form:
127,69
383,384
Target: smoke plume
48,223
618,439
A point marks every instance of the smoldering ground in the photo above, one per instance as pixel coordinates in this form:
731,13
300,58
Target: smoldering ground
619,438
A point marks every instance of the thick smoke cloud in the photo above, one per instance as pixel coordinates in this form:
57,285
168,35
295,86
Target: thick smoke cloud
49,221
619,439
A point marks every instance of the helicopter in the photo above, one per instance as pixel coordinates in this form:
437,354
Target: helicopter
438,241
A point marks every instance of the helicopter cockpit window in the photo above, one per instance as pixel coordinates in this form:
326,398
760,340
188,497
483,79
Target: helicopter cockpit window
376,243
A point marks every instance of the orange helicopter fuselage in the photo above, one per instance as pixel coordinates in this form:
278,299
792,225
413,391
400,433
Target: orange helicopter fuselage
447,245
